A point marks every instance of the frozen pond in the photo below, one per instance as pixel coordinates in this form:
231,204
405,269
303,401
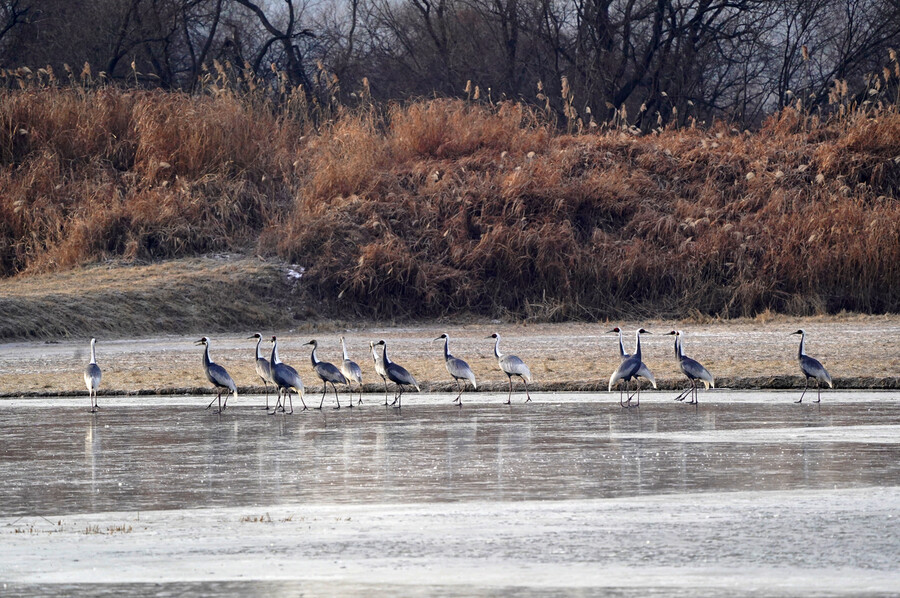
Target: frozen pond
747,494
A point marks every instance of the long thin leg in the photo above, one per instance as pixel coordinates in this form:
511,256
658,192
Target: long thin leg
383,379
211,402
683,394
622,390
360,394
804,392
324,389
277,403
818,392
459,388
334,388
525,382
267,391
693,400
398,400
290,401
509,397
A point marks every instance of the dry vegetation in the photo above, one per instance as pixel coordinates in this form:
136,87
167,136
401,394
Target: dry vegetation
442,207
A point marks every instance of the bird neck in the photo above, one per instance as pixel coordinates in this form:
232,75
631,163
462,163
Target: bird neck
497,352
384,356
679,348
312,356
93,355
637,349
274,358
447,348
258,352
802,350
344,349
621,345
206,359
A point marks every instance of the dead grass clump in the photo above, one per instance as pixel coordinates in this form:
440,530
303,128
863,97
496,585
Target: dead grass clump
443,206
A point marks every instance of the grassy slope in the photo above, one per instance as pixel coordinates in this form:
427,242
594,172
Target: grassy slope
176,297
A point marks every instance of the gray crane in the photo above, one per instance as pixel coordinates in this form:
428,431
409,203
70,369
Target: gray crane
218,376
263,367
351,371
692,369
512,366
396,374
622,352
379,368
92,375
285,378
632,367
811,368
623,355
329,374
459,369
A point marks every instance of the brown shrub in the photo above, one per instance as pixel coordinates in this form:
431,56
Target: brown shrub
444,206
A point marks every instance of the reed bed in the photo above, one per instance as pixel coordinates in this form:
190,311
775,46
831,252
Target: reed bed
443,207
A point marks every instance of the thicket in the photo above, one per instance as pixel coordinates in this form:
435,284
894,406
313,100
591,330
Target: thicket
439,207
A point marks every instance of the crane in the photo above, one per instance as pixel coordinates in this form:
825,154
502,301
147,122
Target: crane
263,367
92,375
285,378
459,369
351,371
397,374
692,369
811,368
512,366
632,367
218,376
328,373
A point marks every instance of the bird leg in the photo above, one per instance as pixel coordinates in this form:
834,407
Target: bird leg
459,396
213,401
509,397
399,398
359,402
383,379
625,386
324,388
800,400
693,400
267,392
818,392
334,388
525,382
683,394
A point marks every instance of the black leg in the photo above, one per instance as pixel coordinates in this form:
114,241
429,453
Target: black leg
525,382
800,400
337,400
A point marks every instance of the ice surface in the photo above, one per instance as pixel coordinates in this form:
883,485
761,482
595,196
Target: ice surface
748,494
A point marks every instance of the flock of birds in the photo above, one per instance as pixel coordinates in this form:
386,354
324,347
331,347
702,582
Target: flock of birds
286,379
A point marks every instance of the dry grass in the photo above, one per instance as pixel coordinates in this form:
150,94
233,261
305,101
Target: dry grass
193,295
442,207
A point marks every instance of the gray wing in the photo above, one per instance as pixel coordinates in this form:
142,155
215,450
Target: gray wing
351,370
264,369
218,376
626,371
287,377
330,373
813,369
644,372
92,375
695,371
399,375
513,366
460,369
